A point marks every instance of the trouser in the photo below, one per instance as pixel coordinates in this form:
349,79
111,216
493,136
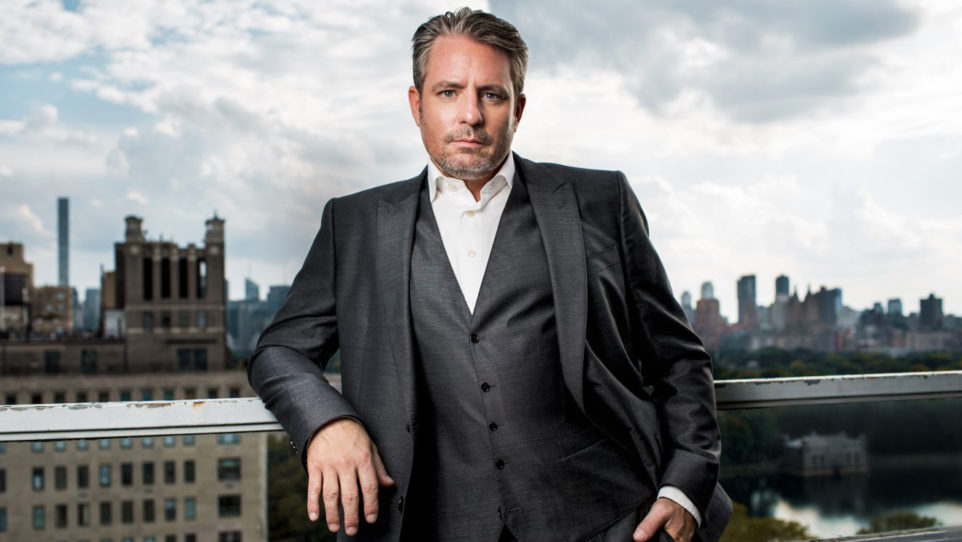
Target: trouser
619,531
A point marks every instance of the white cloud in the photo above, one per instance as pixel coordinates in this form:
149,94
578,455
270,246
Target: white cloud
32,221
137,198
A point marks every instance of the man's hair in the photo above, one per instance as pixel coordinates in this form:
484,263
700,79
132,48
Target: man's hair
478,26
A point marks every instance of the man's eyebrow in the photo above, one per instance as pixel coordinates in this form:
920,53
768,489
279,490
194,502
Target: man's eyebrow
500,89
446,84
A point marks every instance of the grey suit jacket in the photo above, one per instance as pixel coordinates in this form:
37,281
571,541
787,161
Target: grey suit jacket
629,357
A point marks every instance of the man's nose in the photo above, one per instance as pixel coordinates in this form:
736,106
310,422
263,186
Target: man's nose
471,109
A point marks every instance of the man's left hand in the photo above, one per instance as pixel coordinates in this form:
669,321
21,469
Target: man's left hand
667,514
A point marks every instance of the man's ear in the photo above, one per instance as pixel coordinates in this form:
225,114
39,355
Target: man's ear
414,98
519,108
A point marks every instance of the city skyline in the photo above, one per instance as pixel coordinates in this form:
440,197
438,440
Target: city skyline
819,143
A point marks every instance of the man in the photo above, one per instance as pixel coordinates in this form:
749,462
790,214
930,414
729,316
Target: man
514,365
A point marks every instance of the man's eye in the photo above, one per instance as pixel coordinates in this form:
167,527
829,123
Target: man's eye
491,96
447,93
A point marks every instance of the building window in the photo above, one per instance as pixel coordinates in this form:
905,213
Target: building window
188,440
126,474
148,321
201,278
169,441
36,398
148,510
228,506
103,396
165,278
59,445
104,476
190,508
200,359
233,392
168,394
148,279
51,362
127,512
38,518
81,397
60,477
228,438
182,278
170,509
190,537
146,394
125,395
202,320
212,393
36,479
170,538
148,473
190,393
36,446
11,399
3,520
229,468
103,444
229,536
170,472
83,444
3,480
189,471
105,513
83,476
183,319
88,361
59,397
60,516
83,514
147,442
165,319
126,443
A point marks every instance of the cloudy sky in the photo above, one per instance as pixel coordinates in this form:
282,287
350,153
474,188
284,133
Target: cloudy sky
821,139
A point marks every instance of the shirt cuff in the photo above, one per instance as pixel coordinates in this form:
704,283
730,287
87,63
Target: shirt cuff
675,494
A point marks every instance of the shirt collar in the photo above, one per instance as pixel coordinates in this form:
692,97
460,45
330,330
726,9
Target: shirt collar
435,176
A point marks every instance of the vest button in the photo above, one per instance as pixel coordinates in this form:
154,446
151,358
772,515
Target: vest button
485,387
475,338
400,504
493,426
499,464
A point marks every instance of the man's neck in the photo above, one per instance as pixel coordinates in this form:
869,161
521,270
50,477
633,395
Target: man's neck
475,185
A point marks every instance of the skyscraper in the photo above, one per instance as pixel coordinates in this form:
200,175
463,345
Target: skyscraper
252,292
707,290
747,310
930,312
782,286
895,307
63,241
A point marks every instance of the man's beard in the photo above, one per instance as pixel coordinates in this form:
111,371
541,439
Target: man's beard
484,165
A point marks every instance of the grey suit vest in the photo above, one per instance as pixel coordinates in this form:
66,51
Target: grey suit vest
500,442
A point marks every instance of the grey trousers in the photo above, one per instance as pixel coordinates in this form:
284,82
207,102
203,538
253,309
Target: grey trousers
619,531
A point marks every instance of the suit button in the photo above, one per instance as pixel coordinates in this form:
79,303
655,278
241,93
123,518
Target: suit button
400,504
499,464
407,427
485,387
493,426
475,338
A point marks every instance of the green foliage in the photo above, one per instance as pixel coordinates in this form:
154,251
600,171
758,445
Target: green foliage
742,528
286,497
898,521
776,363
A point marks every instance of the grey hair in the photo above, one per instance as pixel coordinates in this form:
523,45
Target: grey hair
479,26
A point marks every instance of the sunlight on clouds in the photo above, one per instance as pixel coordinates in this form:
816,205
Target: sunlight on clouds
138,198
31,220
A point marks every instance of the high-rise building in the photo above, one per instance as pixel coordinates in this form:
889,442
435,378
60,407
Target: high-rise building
709,324
782,286
275,298
252,292
828,303
895,307
63,241
91,308
930,312
686,306
707,290
747,312
16,281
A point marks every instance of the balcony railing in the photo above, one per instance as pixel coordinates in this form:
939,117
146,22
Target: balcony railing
155,418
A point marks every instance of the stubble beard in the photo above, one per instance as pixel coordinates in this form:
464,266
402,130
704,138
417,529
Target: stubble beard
483,166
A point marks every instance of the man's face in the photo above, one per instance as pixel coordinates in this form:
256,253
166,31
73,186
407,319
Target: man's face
467,111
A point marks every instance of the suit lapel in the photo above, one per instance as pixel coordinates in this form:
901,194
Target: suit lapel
556,210
395,236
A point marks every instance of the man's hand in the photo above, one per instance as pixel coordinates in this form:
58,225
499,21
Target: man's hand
677,522
340,459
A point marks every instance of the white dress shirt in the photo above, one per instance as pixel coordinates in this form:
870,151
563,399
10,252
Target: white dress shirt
467,230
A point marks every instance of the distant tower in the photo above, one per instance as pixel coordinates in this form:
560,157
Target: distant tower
895,307
747,310
782,286
686,306
707,290
63,240
930,312
252,292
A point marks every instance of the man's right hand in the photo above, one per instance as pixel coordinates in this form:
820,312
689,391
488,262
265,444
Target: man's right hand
340,459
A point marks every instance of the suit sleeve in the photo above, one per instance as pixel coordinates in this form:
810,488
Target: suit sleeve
673,362
287,368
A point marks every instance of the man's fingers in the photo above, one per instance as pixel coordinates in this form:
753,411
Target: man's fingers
313,494
382,476
367,479
349,500
330,493
655,520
